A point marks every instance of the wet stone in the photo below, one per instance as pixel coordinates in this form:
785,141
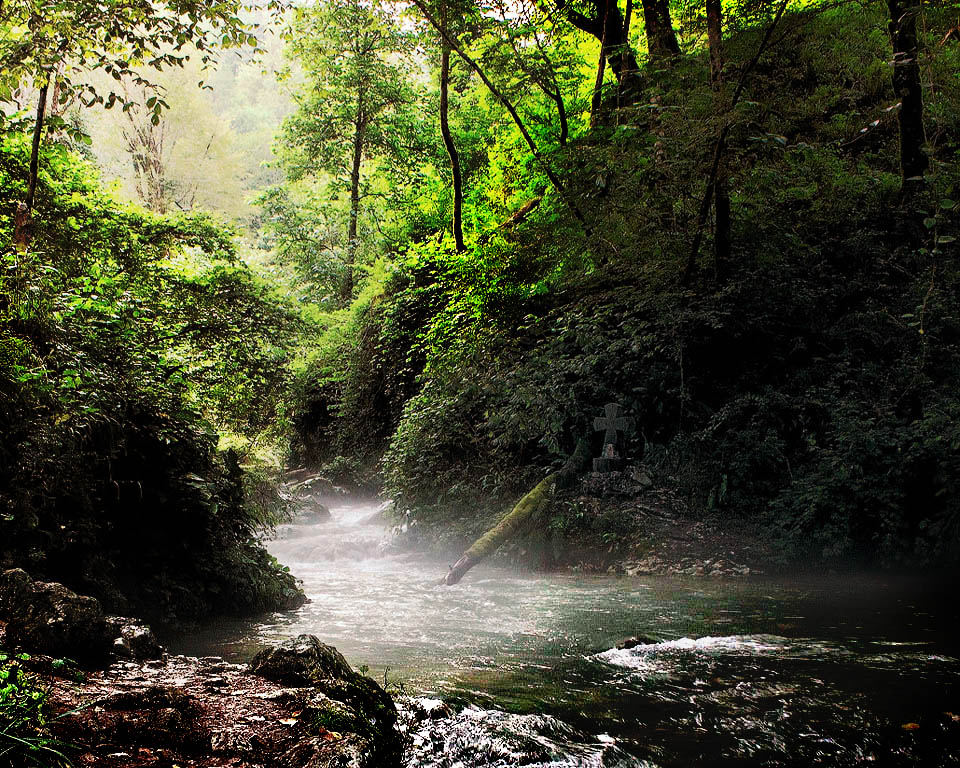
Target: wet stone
47,617
637,640
301,661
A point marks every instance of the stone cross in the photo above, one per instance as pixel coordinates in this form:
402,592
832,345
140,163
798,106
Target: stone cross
611,423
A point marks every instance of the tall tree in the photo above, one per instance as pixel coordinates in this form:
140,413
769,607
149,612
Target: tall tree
448,137
605,22
38,36
357,103
661,37
906,83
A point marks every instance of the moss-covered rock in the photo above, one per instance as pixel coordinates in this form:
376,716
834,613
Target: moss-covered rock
346,701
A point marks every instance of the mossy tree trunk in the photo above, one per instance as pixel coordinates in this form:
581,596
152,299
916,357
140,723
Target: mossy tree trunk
527,510
509,526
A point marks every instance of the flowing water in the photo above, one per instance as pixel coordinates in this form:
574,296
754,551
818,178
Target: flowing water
834,672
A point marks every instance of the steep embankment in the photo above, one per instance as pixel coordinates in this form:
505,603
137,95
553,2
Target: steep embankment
800,388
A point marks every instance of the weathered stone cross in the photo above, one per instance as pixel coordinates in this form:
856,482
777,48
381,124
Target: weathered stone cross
611,423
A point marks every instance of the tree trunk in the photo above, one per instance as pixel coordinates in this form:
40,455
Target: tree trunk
522,515
448,139
715,38
906,84
721,235
557,97
597,101
509,526
23,219
617,50
352,244
661,38
628,17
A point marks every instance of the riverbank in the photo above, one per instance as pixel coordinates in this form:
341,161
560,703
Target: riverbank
83,687
615,522
297,705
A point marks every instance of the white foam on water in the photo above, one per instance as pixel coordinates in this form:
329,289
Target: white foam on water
645,657
492,738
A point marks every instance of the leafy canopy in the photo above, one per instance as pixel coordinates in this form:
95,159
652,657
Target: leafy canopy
119,37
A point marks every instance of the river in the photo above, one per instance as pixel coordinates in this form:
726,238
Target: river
824,671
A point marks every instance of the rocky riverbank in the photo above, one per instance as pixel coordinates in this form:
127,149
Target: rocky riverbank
129,704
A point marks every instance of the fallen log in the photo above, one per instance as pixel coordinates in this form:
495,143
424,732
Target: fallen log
515,521
529,506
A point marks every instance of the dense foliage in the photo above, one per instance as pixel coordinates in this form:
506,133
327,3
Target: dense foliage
123,337
25,738
803,381
742,231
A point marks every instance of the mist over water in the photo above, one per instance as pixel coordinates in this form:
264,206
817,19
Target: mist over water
821,672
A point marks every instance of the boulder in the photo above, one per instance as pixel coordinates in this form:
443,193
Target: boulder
304,660
383,515
633,642
324,752
46,617
15,588
133,639
313,512
341,700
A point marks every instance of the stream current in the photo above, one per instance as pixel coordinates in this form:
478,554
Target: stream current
831,671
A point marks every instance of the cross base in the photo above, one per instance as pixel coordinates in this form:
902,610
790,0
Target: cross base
609,464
